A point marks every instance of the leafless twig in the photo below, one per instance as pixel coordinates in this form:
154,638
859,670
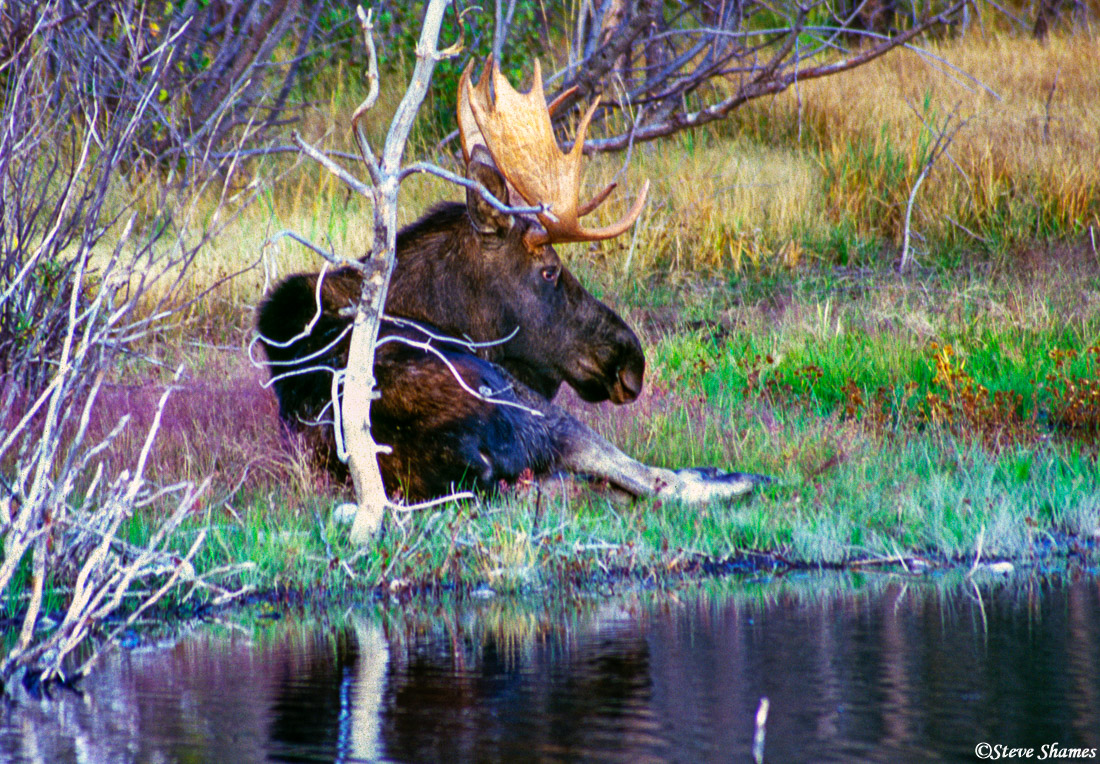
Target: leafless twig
689,63
87,275
944,134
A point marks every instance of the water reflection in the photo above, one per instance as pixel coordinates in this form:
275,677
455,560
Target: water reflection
880,669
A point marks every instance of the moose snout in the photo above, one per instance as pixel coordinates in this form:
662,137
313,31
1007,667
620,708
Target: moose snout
628,383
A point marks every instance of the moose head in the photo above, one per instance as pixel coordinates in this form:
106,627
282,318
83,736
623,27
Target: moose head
500,276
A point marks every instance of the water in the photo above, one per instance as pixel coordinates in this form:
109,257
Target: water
876,668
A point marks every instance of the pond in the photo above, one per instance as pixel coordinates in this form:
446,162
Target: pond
880,668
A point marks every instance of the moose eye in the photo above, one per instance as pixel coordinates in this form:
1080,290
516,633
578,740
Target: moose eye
550,273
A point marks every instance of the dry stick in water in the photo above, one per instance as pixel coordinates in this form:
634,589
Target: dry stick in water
758,733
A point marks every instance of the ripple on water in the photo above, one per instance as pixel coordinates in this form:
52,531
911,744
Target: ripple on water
879,670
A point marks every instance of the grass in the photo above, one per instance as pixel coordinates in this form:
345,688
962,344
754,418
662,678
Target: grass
840,386
932,415
823,172
818,176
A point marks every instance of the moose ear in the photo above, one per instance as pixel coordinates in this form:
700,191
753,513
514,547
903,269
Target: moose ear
485,218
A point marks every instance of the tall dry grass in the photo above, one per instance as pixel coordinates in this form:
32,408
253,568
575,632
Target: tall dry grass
824,171
1025,166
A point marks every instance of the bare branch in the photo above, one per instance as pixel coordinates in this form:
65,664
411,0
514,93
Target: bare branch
679,59
78,110
944,135
482,394
468,344
426,57
460,496
459,180
322,159
337,260
372,96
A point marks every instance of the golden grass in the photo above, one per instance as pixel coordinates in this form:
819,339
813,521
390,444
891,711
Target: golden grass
717,205
784,180
1028,160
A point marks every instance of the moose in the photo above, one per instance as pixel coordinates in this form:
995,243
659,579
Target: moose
483,324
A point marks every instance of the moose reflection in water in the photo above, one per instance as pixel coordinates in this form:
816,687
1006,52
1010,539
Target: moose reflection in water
506,322
890,672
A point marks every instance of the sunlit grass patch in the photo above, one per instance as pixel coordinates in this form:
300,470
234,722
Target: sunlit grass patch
717,206
1025,166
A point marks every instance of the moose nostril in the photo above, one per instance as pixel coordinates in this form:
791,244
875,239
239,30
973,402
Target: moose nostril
630,382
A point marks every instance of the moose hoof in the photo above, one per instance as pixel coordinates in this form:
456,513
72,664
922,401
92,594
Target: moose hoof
701,485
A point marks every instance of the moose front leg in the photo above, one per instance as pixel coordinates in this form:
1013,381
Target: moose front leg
585,452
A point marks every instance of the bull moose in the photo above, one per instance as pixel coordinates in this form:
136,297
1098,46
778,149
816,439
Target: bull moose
507,321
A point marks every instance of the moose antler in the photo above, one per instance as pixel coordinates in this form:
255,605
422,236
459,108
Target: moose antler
517,133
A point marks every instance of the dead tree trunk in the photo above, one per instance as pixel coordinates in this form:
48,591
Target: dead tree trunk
357,382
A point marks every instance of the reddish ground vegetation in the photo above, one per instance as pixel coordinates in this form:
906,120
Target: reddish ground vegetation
218,422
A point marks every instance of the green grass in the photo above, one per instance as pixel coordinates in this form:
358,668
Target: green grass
765,385
925,498
779,341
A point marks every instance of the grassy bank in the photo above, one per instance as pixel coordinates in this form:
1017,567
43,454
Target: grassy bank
946,414
943,416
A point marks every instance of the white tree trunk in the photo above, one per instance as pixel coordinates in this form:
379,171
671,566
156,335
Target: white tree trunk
359,382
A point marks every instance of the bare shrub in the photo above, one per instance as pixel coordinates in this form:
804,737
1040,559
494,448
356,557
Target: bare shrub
663,67
92,254
218,78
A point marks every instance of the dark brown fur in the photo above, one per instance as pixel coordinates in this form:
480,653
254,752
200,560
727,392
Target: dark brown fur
463,270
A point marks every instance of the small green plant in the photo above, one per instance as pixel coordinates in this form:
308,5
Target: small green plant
959,404
1074,399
